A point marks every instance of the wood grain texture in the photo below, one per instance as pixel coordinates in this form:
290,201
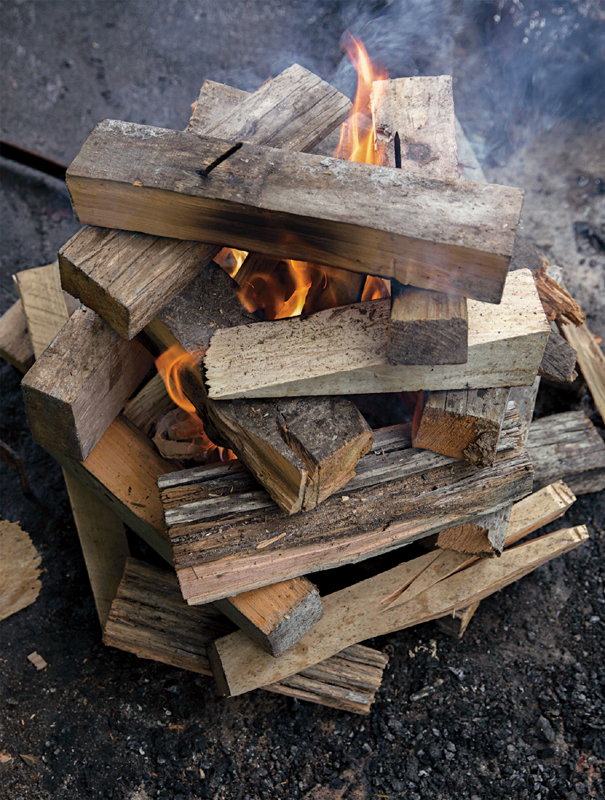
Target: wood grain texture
358,612
342,214
591,361
559,359
150,619
149,405
80,383
344,351
127,278
15,344
463,424
228,536
275,617
103,539
567,447
20,582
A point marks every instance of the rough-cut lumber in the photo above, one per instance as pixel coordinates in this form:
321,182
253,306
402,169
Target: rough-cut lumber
591,361
359,612
524,398
19,569
80,383
415,131
121,471
150,619
45,305
559,359
558,304
526,516
344,351
228,536
454,236
463,424
300,450
103,539
127,278
275,617
15,344
567,447
149,405
427,327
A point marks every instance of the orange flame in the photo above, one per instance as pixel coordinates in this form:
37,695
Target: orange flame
231,260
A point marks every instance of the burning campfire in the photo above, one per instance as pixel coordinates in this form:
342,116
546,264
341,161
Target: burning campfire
247,286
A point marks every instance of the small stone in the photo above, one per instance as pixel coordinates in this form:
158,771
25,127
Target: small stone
546,729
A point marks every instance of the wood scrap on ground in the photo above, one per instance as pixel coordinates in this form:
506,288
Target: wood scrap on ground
19,569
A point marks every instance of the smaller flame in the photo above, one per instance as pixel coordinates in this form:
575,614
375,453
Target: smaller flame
169,364
296,302
231,260
376,288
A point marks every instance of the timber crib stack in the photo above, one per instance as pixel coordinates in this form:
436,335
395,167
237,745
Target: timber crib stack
250,543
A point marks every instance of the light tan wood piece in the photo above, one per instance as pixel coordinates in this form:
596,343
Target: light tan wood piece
358,612
463,424
558,304
275,617
45,305
149,405
344,351
80,383
228,536
103,539
19,569
591,361
15,345
150,619
453,236
127,278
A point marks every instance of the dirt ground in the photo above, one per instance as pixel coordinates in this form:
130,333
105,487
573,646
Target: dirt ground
517,707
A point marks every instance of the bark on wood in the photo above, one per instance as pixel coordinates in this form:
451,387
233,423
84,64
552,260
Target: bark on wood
150,619
15,344
347,215
358,612
275,617
80,383
103,539
463,424
127,278
228,536
559,359
590,360
19,569
344,351
567,447
300,450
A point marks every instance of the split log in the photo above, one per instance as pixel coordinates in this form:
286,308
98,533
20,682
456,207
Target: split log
127,278
149,405
80,383
416,132
591,361
559,359
294,205
366,610
229,537
15,345
567,447
529,514
463,424
558,304
275,617
20,582
300,450
344,351
150,619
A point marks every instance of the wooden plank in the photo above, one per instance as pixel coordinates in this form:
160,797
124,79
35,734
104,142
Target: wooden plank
358,612
103,539
15,345
275,617
150,619
416,132
591,361
559,359
229,537
80,383
127,278
300,450
567,447
20,582
463,424
344,351
149,405
453,236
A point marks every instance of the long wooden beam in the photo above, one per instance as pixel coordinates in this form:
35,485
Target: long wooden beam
453,236
344,351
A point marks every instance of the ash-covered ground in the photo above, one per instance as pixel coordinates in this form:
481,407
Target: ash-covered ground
515,709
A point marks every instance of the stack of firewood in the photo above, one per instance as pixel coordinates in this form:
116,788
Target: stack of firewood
313,487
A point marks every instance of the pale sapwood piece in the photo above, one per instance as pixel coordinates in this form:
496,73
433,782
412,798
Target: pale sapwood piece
15,343
591,361
19,569
149,405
